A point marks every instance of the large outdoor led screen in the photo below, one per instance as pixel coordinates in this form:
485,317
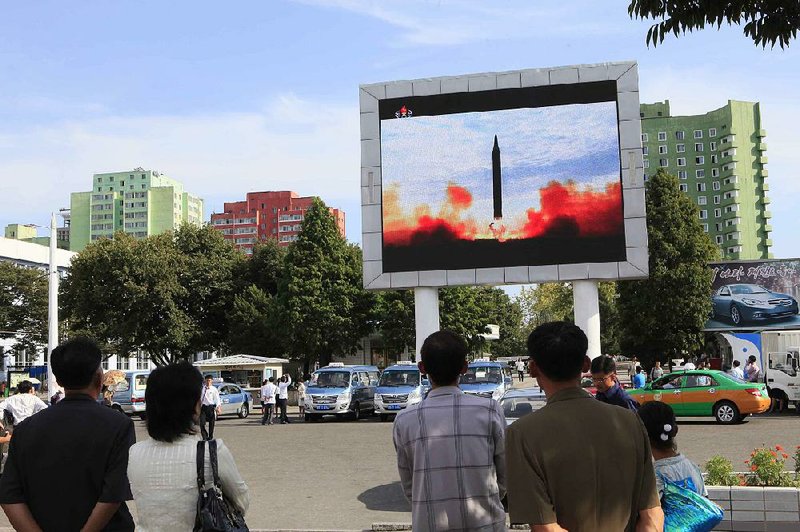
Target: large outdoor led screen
502,178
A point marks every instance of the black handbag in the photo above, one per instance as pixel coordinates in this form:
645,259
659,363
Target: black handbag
214,512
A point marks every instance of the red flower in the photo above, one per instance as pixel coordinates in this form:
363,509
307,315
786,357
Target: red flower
785,456
753,468
778,447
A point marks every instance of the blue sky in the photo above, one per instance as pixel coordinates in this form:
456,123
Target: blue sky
422,155
256,95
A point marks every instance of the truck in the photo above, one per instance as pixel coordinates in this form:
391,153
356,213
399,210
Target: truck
778,356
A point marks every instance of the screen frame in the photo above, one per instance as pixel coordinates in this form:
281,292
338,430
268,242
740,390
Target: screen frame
625,74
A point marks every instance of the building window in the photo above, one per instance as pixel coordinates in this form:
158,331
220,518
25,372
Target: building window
680,135
123,362
701,200
141,359
645,150
703,215
698,146
717,213
714,159
647,163
718,226
718,239
715,172
712,146
716,185
682,174
644,137
684,187
705,228
662,150
698,133
716,200
700,173
662,135
105,364
712,132
681,161
701,187
663,163
699,160
680,148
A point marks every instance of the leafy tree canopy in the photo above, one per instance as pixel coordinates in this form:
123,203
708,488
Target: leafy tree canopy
23,306
765,21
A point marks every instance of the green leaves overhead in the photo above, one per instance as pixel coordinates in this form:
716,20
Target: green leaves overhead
23,306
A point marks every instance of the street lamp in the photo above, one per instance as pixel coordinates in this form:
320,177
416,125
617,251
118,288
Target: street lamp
52,302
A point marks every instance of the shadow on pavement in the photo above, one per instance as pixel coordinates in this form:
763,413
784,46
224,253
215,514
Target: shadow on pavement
385,498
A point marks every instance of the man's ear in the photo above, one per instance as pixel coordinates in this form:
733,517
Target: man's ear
464,368
421,367
587,364
533,369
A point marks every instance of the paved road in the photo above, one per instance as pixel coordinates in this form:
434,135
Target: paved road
342,474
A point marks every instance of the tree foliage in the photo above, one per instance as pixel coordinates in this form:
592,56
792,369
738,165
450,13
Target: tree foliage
765,21
665,314
23,306
394,320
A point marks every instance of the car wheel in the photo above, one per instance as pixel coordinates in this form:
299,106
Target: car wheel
726,413
384,417
736,315
356,415
244,412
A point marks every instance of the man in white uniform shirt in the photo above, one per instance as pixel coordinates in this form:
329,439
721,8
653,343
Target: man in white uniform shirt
209,408
24,404
283,396
268,394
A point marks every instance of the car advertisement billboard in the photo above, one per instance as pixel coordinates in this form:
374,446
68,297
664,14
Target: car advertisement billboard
755,295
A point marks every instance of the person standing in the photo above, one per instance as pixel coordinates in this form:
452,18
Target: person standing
521,370
577,464
752,372
76,442
736,370
210,406
639,378
656,372
23,404
268,394
301,398
283,396
609,390
450,447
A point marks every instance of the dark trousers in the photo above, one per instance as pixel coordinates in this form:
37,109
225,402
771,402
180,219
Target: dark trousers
266,417
282,405
208,415
521,376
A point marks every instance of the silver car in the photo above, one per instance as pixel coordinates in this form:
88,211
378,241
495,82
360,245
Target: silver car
520,402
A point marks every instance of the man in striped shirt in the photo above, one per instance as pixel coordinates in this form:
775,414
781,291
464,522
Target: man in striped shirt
450,447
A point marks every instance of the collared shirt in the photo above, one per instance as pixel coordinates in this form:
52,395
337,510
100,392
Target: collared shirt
80,442
580,463
656,373
211,396
737,372
618,397
752,371
639,380
450,456
283,388
268,393
22,406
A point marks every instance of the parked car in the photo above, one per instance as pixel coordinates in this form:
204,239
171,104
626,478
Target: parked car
706,393
741,303
520,402
343,391
485,378
401,385
234,399
129,395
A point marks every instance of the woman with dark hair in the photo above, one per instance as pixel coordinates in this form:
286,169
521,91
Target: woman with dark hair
662,427
162,470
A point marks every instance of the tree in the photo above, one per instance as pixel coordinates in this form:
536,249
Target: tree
501,310
765,21
324,309
665,313
23,306
394,316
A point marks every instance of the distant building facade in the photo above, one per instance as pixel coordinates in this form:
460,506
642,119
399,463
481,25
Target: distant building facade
264,215
720,160
138,202
29,233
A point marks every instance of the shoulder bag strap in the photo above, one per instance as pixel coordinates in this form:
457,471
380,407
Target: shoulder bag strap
201,477
212,451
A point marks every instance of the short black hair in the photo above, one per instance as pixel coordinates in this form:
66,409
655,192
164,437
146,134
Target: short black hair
208,377
638,369
736,363
604,364
558,348
444,354
272,379
24,386
751,358
171,397
660,423
75,363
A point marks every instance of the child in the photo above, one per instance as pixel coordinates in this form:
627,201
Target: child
659,420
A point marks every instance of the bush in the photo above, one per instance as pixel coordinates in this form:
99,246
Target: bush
767,468
719,472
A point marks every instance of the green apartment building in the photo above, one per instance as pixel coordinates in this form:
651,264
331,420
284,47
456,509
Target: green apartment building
720,159
139,202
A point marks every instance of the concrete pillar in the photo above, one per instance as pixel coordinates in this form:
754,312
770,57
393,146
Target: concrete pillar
587,313
426,315
52,309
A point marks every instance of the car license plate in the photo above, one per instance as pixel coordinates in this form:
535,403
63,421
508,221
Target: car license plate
392,407
322,407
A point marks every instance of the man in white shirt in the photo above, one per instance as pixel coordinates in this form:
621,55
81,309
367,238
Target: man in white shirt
736,370
283,396
24,404
268,394
209,408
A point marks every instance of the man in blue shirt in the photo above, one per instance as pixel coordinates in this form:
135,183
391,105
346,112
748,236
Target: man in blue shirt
604,377
639,379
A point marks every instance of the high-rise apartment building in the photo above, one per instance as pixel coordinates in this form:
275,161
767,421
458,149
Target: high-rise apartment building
264,215
720,160
139,202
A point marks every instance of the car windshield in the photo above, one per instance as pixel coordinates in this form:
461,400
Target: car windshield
482,375
405,377
747,289
331,379
516,407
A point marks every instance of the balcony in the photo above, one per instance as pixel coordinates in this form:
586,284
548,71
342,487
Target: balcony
768,242
762,133
732,185
761,146
730,159
767,228
765,200
764,187
729,201
764,172
766,215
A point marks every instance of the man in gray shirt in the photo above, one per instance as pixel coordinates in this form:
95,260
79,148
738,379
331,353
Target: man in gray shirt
450,447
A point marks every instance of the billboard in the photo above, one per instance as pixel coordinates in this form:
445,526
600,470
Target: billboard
755,295
518,177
